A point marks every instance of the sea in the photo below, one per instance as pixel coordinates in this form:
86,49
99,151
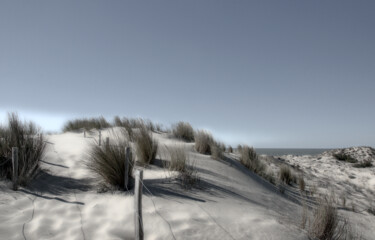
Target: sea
290,151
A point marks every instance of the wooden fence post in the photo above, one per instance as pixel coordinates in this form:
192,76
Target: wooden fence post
138,205
128,158
15,167
107,141
100,138
84,133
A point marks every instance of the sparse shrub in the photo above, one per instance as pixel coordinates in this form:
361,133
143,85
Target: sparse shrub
31,147
216,151
88,124
239,148
364,164
345,157
286,175
249,158
109,163
326,224
301,183
269,176
203,142
146,146
179,162
189,177
126,124
178,159
184,131
230,149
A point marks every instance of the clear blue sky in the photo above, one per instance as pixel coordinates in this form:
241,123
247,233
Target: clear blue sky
265,73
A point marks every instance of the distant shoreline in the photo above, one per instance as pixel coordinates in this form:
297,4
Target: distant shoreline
291,151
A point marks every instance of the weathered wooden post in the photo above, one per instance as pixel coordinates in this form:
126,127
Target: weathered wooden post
128,158
107,141
15,167
100,137
138,205
84,133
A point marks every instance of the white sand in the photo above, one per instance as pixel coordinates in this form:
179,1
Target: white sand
325,174
230,203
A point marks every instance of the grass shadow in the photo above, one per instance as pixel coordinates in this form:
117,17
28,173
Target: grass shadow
58,185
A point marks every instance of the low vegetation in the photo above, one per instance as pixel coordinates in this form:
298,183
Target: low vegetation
286,175
203,142
249,158
31,147
364,164
184,131
217,151
326,224
239,148
230,149
86,123
179,161
109,163
129,124
345,157
146,146
301,183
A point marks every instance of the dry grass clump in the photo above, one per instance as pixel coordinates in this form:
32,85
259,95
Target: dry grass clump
239,148
31,147
345,157
179,162
109,163
184,131
269,176
203,142
129,124
146,146
216,151
301,183
249,158
326,224
286,175
230,149
178,159
85,123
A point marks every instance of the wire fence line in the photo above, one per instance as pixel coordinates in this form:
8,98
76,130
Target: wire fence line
151,198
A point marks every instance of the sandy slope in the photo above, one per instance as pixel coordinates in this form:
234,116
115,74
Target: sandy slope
230,202
354,188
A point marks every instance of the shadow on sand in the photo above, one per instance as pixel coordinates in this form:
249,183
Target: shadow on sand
47,183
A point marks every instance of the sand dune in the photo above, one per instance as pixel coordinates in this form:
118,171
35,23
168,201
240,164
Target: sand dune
229,203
